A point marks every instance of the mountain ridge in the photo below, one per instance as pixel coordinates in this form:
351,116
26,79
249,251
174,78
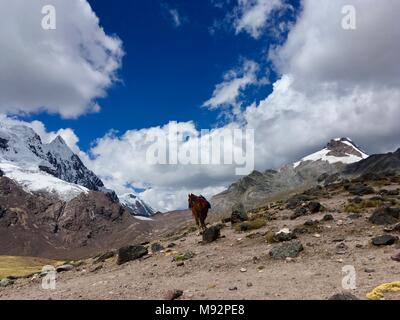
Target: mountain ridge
256,188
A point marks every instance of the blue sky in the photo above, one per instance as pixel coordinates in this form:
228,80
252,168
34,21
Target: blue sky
168,71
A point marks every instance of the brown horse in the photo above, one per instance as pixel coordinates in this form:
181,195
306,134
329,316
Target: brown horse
200,207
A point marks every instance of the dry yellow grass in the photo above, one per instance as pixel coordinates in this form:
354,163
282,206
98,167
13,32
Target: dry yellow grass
23,266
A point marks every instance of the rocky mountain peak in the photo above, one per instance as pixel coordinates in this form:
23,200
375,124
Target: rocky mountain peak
136,206
342,147
340,150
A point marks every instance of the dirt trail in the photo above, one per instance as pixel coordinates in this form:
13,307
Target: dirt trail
238,266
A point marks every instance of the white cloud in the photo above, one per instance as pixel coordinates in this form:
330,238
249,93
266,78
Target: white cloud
59,71
252,16
333,83
235,81
175,17
320,51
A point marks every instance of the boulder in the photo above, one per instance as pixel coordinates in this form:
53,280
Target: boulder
328,217
211,234
299,212
385,240
130,253
156,247
6,282
360,189
314,207
385,215
239,214
286,250
284,235
65,268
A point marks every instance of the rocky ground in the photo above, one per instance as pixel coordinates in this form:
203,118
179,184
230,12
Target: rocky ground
291,249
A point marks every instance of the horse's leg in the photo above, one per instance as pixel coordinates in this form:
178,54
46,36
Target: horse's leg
203,218
196,217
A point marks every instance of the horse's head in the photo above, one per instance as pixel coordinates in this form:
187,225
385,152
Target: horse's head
191,200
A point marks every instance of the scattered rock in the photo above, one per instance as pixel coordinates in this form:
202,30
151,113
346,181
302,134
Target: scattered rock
341,247
385,240
6,282
385,216
360,189
284,235
298,200
173,294
314,207
131,253
343,296
299,212
243,270
249,284
328,217
368,270
233,289
395,227
171,245
287,249
356,200
211,234
396,257
180,264
355,216
65,268
238,214
311,223
156,247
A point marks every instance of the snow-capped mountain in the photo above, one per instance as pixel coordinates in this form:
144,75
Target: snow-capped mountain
21,146
52,168
342,150
135,205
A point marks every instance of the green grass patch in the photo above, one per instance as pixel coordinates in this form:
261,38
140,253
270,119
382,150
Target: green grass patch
362,206
11,266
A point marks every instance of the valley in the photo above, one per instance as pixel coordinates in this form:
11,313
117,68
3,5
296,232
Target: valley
251,261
